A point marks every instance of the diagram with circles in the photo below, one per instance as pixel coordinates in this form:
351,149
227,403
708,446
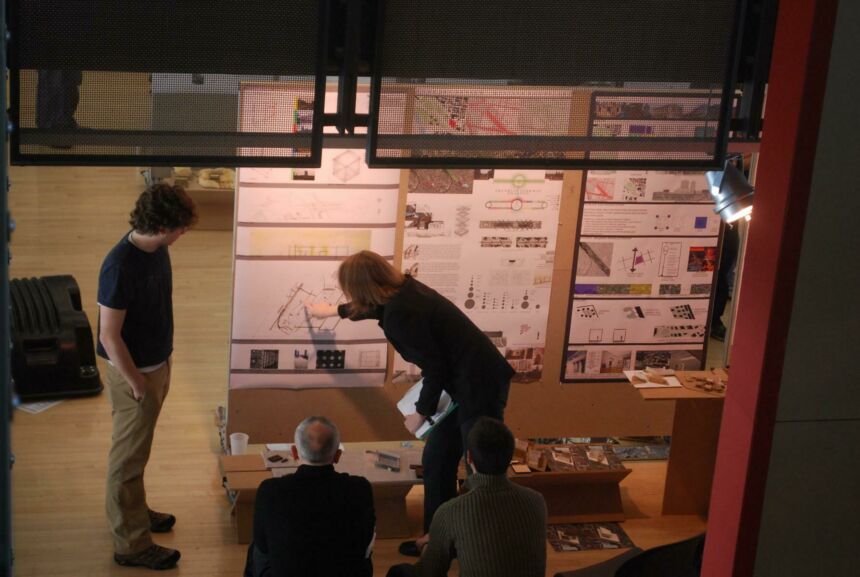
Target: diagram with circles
489,250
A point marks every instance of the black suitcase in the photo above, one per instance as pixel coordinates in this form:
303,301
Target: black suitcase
52,343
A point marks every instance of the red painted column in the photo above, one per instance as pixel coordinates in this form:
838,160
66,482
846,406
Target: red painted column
798,75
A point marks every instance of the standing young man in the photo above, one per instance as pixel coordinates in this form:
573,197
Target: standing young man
136,338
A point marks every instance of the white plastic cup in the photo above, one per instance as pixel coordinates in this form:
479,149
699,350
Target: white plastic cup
238,443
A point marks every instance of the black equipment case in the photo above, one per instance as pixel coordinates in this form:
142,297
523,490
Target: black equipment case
52,343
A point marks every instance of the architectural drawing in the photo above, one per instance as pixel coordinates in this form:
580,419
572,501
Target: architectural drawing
593,259
294,227
683,332
512,224
264,359
482,111
330,359
637,260
316,206
346,166
684,311
586,311
369,359
532,242
461,223
301,242
474,250
498,299
292,316
634,189
516,204
441,181
670,259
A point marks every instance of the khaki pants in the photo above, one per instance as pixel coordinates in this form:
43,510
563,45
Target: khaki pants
133,428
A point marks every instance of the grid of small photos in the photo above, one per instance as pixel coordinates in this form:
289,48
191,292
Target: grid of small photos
644,274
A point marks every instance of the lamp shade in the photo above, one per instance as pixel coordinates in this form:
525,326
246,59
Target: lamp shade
733,194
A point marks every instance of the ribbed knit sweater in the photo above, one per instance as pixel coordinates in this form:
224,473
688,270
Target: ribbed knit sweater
498,529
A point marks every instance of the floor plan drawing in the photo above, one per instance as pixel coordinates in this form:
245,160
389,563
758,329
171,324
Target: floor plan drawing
293,314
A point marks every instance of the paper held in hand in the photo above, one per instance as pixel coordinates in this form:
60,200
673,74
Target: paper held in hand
406,405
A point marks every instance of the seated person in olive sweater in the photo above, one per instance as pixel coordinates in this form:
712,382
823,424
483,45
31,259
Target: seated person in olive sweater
497,529
315,522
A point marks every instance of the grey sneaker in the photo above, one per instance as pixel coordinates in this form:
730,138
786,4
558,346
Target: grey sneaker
154,557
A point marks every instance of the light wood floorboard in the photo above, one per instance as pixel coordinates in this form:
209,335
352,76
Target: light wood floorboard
67,219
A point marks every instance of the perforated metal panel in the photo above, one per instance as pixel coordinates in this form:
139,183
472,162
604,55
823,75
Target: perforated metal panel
165,82
556,83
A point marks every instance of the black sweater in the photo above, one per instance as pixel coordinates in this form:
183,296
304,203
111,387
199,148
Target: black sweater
452,352
316,522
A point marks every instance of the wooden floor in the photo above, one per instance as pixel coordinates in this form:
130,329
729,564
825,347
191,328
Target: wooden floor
67,219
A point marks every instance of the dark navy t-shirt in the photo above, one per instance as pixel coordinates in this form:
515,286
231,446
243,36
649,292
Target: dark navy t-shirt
140,283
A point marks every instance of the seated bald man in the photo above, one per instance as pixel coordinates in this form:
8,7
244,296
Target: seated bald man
315,522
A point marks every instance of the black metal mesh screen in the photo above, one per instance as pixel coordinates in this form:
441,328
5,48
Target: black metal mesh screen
585,83
165,82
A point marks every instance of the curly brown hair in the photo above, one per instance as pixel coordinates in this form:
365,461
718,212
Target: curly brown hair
163,207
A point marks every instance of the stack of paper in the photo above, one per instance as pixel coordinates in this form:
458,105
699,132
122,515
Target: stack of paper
406,405
641,380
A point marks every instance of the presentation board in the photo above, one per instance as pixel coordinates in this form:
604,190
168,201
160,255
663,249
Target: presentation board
291,235
485,239
293,228
648,248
